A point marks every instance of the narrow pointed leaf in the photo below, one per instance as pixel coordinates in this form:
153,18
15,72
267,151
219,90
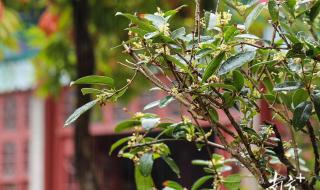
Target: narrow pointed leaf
213,66
299,96
94,79
236,61
142,183
143,24
273,10
301,115
178,33
238,80
151,105
287,86
118,143
145,164
165,101
180,64
172,185
171,163
200,182
314,11
86,91
232,182
78,112
125,125
253,15
158,21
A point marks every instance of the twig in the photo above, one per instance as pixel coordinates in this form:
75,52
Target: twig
315,151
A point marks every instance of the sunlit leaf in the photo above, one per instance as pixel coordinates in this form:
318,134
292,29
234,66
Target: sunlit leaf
94,79
213,66
141,23
273,10
236,62
165,101
90,91
145,164
238,80
287,86
253,15
232,182
178,33
127,124
78,112
149,123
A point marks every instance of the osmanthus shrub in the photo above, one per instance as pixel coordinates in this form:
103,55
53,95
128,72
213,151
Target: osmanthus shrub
218,65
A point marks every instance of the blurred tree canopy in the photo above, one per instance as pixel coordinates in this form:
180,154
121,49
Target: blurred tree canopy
47,26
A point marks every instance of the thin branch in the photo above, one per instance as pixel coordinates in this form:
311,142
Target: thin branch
315,148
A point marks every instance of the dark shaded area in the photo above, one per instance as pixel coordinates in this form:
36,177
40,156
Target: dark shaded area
118,173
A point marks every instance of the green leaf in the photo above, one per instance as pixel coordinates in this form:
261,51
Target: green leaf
314,11
230,33
301,115
316,103
125,125
151,35
151,105
203,52
251,132
299,96
145,164
177,62
273,10
236,61
142,183
200,182
213,66
141,23
94,79
76,114
173,185
171,163
149,123
214,115
222,85
290,4
287,86
178,33
158,21
86,91
165,101
238,80
201,162
253,15
232,182
118,143
263,63
247,36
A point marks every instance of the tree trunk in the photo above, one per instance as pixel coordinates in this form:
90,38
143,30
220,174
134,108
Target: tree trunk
84,152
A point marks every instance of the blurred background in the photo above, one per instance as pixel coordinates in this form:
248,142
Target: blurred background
45,44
